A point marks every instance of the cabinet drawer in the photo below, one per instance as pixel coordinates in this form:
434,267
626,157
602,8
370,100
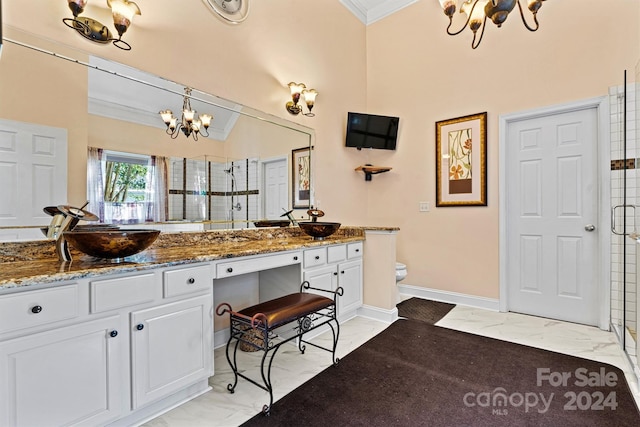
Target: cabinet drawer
354,250
32,308
242,266
187,280
112,294
315,257
336,253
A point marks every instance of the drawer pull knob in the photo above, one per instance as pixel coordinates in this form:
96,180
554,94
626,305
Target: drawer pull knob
342,272
36,309
295,258
139,326
229,270
335,273
317,256
113,334
357,250
191,281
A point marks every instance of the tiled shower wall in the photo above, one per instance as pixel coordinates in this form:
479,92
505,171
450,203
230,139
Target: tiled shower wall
619,242
205,190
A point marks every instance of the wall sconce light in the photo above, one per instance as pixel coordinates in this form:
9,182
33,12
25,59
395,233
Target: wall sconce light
309,95
478,11
190,124
123,12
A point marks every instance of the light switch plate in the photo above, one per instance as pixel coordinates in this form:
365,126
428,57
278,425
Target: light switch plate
423,206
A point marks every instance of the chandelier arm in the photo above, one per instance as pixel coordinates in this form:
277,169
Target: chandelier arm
524,21
204,132
461,29
473,43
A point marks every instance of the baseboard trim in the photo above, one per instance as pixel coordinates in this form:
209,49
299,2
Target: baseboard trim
380,314
449,297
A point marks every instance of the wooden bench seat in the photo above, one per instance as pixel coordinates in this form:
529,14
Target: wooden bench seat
254,326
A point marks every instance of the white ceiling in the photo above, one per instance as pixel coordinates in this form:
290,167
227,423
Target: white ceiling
370,11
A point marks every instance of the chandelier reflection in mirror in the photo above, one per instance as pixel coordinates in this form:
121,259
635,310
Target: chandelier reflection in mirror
309,95
478,11
190,124
123,12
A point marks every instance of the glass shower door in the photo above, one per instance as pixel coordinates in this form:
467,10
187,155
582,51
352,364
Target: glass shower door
624,218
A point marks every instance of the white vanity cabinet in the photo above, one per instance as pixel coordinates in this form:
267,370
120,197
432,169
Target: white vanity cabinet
106,350
67,376
337,265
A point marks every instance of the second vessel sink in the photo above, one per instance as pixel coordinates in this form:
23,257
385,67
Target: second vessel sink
319,230
111,244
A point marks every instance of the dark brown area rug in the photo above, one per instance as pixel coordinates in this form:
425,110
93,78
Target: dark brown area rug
416,374
423,309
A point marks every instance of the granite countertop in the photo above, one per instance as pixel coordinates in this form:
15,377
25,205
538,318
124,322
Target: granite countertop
30,263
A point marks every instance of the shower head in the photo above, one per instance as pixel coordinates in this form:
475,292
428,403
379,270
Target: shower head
230,170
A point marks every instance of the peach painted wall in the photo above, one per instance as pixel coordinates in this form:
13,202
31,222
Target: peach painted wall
402,65
415,70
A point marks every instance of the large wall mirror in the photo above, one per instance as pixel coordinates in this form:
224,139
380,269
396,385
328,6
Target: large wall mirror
69,120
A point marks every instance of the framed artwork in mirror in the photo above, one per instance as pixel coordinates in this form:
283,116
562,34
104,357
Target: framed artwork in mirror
301,177
461,161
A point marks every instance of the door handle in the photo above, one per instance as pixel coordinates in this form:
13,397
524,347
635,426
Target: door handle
589,227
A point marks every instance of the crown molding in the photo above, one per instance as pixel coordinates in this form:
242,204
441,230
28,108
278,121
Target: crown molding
370,11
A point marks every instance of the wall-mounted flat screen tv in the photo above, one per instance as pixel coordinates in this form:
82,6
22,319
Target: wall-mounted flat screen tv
372,131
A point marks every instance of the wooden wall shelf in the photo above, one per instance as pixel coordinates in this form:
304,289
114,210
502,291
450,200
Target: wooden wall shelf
370,170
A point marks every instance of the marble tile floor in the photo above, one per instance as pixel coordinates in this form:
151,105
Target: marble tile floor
218,407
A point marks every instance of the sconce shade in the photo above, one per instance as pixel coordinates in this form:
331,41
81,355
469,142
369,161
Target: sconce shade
123,13
188,115
474,12
77,6
166,115
310,99
206,120
296,88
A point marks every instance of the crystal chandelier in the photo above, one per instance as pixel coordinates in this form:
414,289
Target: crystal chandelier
190,124
478,11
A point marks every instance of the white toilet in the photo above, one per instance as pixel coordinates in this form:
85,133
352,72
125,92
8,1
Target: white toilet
401,271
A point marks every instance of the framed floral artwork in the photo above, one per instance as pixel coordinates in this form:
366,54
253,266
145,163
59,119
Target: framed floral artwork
301,178
461,161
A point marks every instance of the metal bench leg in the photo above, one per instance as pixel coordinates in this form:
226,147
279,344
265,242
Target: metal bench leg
233,363
267,378
336,334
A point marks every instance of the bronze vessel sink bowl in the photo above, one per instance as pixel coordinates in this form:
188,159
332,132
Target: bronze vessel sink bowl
319,230
111,244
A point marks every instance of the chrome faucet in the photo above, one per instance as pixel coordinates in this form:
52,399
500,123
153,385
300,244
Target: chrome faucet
65,218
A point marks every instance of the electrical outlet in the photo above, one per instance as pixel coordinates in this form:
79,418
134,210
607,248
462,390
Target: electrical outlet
423,206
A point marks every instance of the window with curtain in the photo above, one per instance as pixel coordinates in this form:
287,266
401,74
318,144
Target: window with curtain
126,188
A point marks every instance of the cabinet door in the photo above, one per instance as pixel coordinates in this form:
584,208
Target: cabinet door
350,279
171,347
70,376
322,278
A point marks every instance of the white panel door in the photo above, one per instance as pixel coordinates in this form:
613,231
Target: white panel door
275,188
33,172
551,212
